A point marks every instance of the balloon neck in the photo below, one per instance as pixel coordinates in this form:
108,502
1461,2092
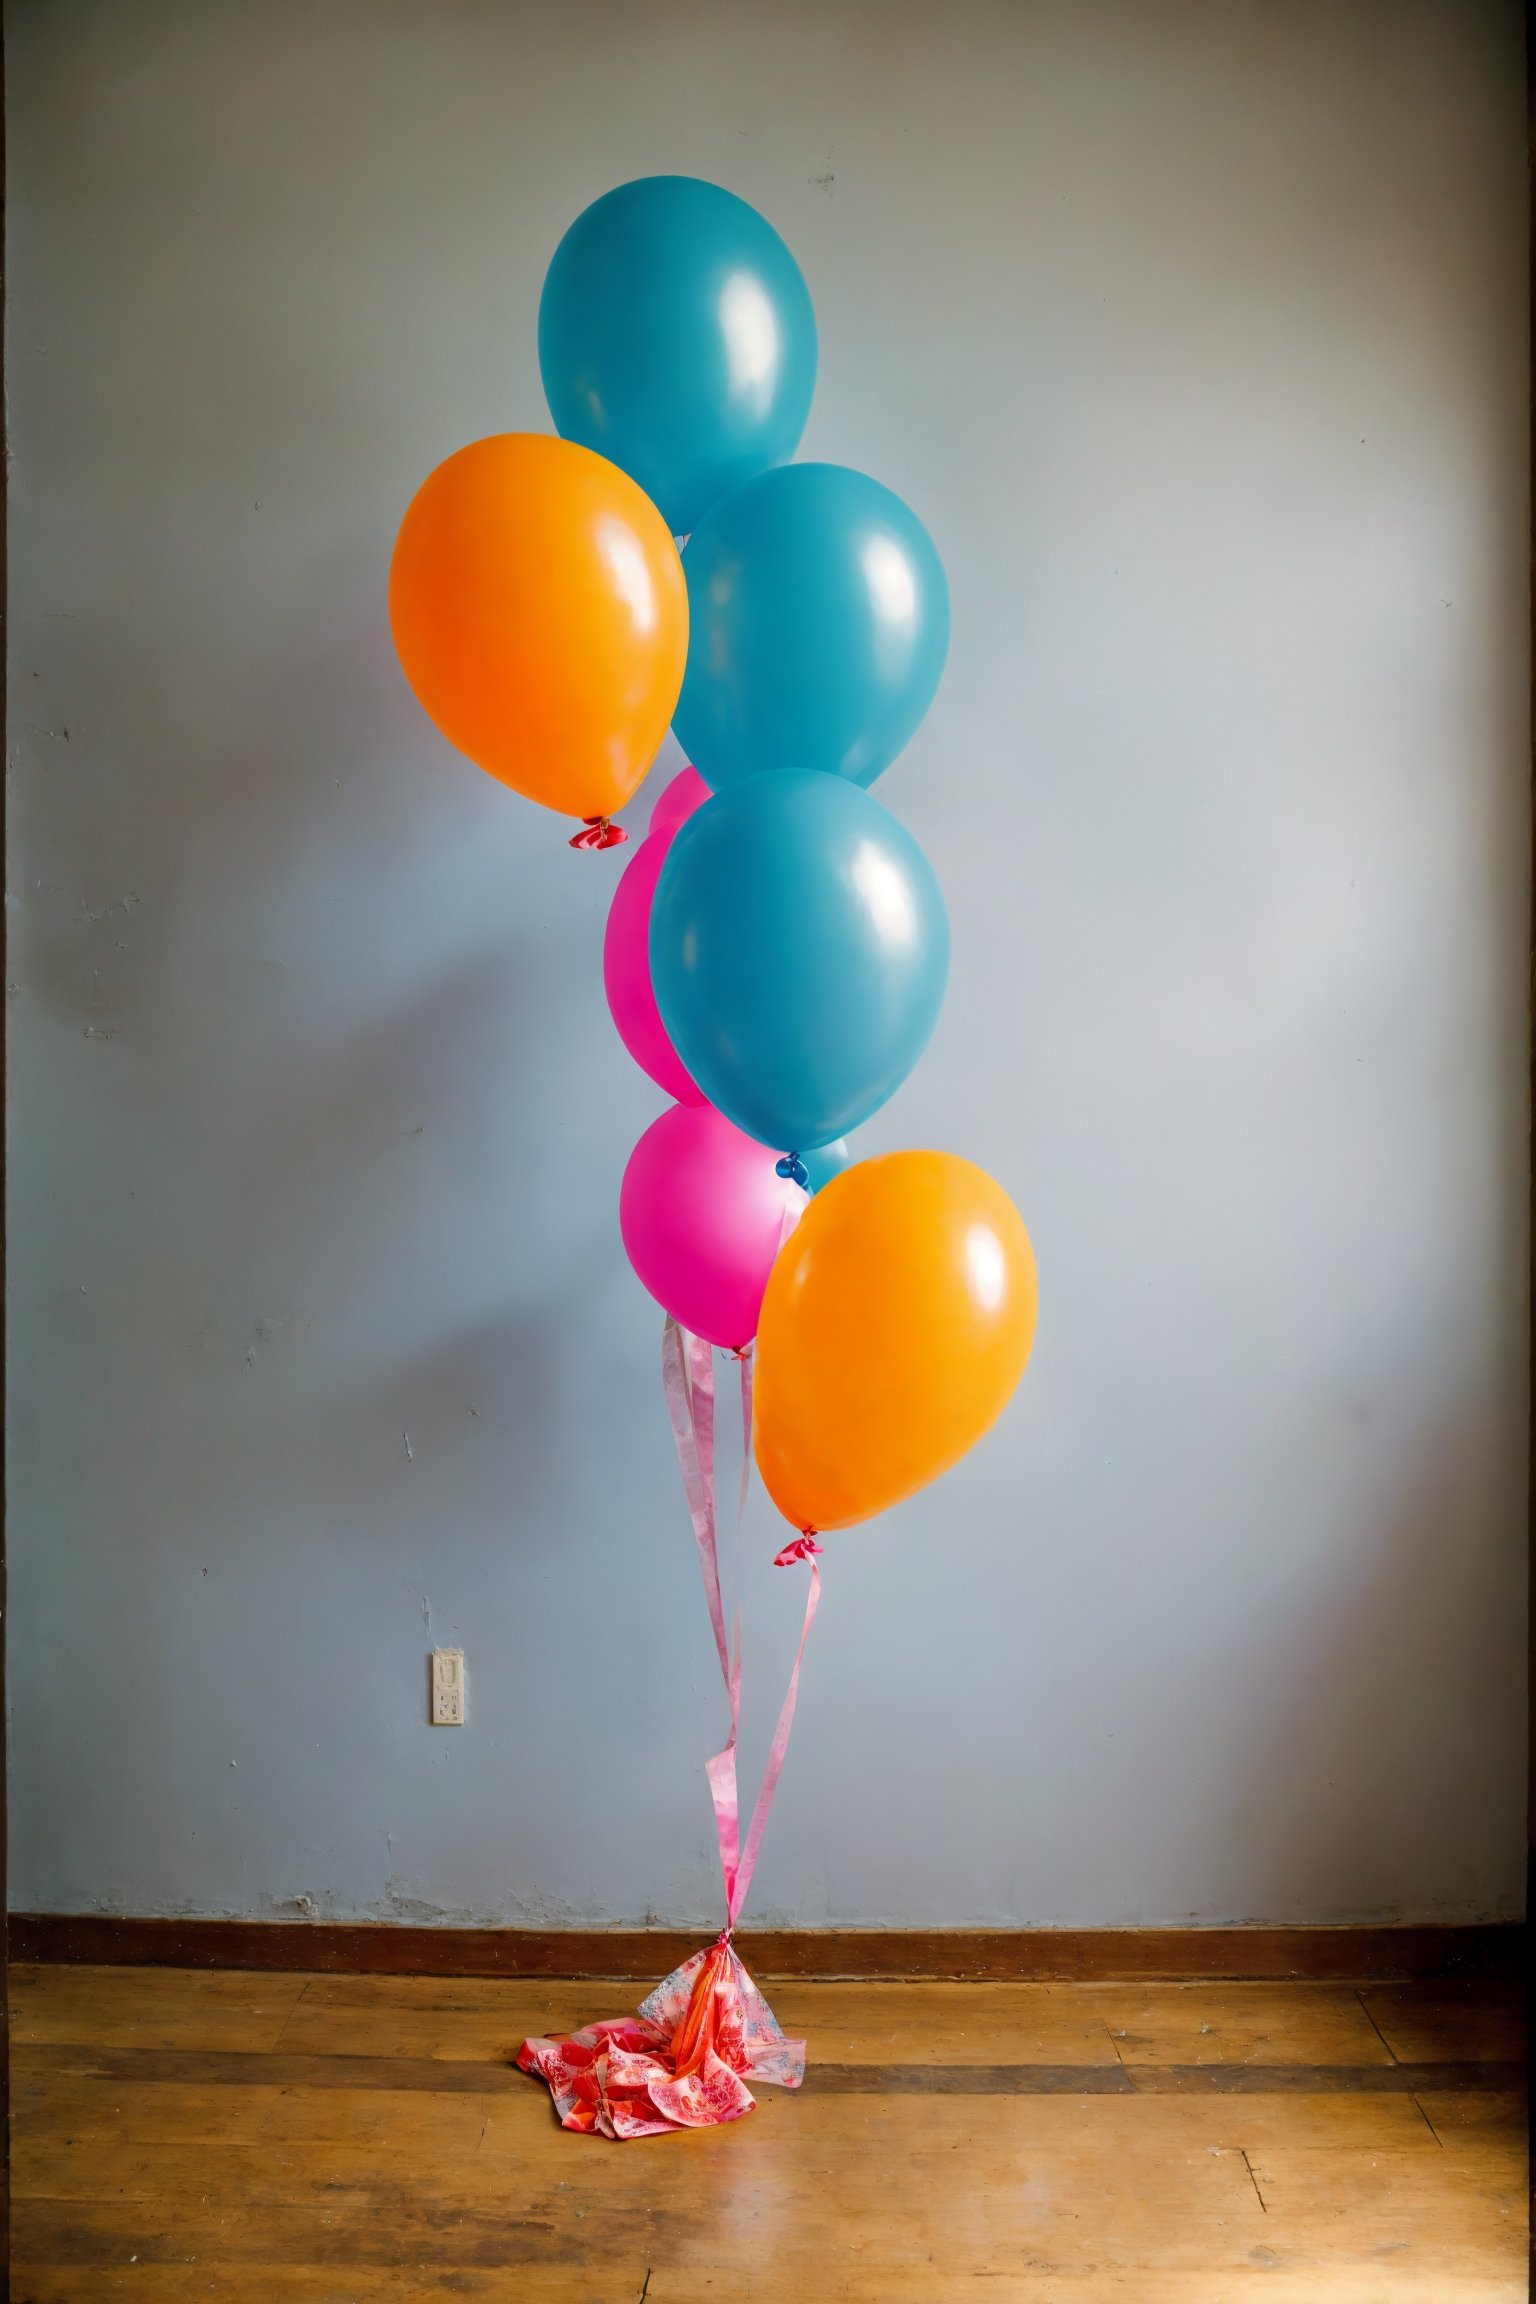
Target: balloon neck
599,832
804,1547
739,1351
794,1170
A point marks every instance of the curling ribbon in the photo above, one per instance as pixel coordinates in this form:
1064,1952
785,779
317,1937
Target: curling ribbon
598,832
687,1365
803,1548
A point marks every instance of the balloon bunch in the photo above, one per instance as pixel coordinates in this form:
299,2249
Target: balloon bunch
777,948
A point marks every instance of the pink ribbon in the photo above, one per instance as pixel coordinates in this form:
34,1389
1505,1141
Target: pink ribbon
688,1376
803,1548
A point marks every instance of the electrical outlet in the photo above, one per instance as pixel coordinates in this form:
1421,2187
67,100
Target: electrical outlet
447,1687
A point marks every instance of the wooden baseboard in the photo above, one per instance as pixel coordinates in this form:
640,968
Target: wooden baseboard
1013,1955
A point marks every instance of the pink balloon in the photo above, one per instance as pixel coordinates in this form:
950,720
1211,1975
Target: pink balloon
686,792
627,969
703,1216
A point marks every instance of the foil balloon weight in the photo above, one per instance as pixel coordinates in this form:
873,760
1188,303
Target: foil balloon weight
683,2062
819,628
895,1327
704,1213
539,612
799,951
676,337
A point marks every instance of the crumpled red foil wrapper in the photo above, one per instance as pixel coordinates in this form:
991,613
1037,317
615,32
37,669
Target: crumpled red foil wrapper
683,2062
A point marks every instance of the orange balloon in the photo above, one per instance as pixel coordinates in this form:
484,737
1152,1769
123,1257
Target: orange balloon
897,1322
539,609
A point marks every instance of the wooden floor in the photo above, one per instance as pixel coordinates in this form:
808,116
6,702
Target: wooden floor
335,2139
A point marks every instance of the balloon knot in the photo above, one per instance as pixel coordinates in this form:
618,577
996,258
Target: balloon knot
739,1351
804,1547
599,832
794,1170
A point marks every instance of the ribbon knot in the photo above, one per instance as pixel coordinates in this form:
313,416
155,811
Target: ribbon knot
599,832
803,1548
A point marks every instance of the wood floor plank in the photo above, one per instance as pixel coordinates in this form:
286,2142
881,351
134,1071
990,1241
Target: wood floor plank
151,2007
1151,2079
1462,2211
215,2067
513,2004
1422,2021
944,2189
951,2190
492,2158
1471,2116
804,2281
317,2284
1239,2024
325,2024
256,2170
1117,2125
520,1998
1305,2079
55,2107
811,2282
945,2023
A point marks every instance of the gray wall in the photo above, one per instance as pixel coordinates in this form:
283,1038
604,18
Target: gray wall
1195,332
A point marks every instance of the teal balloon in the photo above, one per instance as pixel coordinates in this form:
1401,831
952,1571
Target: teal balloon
818,627
799,950
826,1161
676,337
